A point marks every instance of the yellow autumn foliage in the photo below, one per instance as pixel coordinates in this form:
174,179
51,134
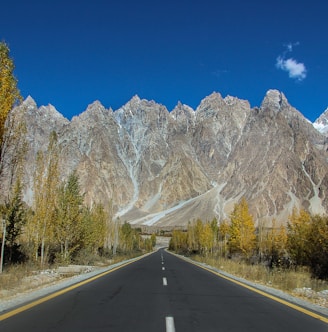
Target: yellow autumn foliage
9,93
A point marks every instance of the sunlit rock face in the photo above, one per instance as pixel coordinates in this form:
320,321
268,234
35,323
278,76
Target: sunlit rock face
159,168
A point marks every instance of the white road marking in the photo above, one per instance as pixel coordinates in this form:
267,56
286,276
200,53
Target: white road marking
164,281
169,324
163,268
162,262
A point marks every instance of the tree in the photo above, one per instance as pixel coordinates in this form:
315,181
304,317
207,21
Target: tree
46,182
178,242
129,238
207,238
9,93
11,130
153,240
273,244
242,230
69,224
95,229
223,236
318,247
14,214
298,230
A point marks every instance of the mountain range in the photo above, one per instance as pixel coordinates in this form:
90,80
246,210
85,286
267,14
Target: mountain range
163,169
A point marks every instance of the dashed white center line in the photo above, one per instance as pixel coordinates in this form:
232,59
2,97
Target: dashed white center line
163,268
162,262
164,281
169,324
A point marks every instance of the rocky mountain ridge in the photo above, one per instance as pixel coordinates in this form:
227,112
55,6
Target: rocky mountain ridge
161,168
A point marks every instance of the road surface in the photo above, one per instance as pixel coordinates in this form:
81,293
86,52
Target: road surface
160,293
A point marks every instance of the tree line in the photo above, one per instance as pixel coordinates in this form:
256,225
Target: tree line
302,242
58,227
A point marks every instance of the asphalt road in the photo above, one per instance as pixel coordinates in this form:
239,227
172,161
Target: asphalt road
161,293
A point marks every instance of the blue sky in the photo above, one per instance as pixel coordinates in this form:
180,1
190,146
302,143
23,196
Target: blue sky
71,53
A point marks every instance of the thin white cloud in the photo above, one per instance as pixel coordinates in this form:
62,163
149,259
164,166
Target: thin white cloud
296,70
289,46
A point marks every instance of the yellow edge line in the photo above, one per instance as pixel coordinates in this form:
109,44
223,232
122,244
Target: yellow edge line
272,297
63,291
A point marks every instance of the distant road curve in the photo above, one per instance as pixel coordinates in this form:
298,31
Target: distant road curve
160,292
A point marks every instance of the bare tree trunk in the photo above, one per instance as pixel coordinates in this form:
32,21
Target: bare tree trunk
3,245
42,252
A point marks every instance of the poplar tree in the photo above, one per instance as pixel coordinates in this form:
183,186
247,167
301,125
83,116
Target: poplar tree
46,181
223,237
206,238
69,224
317,247
242,230
95,228
298,230
273,244
9,93
15,218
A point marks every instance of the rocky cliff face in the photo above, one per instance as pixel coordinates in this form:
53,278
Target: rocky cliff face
166,168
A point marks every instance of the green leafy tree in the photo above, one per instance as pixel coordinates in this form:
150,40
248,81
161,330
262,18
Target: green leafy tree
153,240
95,229
69,224
129,239
15,216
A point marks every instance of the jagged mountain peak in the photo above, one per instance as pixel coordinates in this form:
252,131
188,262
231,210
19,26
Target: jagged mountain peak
133,103
321,124
135,98
142,108
182,111
95,105
274,100
43,112
29,102
230,100
94,111
209,102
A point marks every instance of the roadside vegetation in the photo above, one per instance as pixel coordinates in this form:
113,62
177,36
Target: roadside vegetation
58,229
285,257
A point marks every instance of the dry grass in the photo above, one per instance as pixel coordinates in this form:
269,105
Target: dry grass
22,278
288,280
